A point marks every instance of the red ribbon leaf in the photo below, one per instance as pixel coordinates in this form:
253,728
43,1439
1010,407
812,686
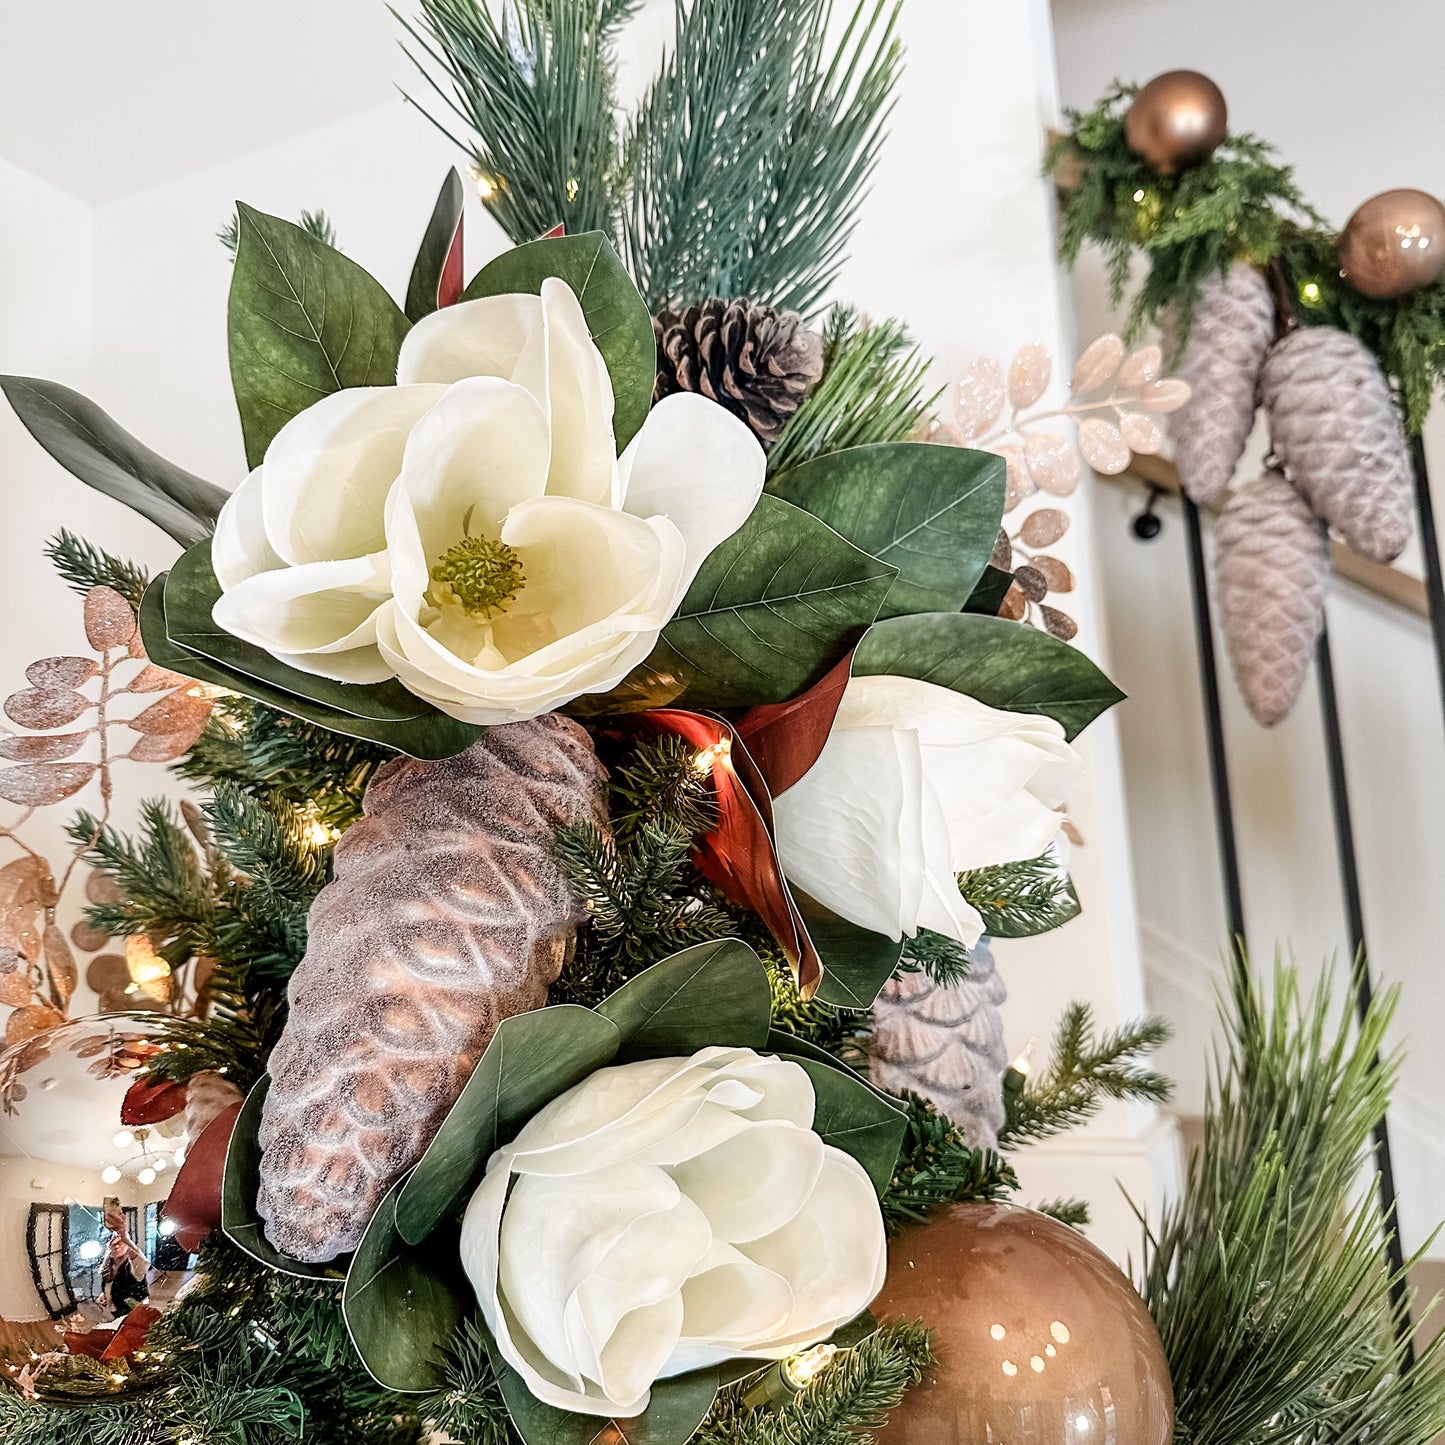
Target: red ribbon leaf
451,283
785,738
560,229
195,1198
151,1102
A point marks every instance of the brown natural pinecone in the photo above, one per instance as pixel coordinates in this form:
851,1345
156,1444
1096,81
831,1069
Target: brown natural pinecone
1271,563
759,363
1234,323
946,1044
1338,436
449,912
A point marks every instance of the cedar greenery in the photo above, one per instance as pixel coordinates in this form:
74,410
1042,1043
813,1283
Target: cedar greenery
1241,204
936,1167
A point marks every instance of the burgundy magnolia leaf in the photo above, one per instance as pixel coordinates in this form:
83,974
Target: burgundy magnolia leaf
195,1198
132,1333
33,1019
177,712
45,708
60,962
35,785
152,1101
54,673
26,749
155,679
452,281
109,620
785,738
1044,527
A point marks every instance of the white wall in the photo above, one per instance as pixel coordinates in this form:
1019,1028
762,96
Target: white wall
957,238
1351,98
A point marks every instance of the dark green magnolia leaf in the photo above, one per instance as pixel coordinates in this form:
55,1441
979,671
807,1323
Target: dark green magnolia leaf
441,241
677,1407
773,608
854,1117
987,597
1004,664
1001,923
90,446
932,512
384,712
239,1186
617,316
303,321
712,993
402,1303
856,962
532,1058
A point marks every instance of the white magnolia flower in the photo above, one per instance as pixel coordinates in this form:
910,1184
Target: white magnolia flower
916,784
471,530
666,1215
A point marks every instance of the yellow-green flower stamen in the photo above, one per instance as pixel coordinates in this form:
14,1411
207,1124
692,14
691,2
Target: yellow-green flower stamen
479,575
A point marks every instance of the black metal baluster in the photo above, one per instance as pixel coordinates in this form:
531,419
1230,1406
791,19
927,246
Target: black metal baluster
1430,547
1360,972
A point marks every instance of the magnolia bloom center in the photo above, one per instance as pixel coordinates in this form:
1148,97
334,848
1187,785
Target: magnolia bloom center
479,574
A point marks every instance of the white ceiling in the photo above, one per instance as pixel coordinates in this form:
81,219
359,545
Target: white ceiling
106,97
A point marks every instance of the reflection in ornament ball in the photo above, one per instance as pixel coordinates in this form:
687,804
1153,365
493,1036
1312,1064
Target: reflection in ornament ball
1394,244
1178,120
1040,1339
76,1189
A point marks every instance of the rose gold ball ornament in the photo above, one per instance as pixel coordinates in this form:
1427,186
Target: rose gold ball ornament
1394,244
1178,120
1040,1339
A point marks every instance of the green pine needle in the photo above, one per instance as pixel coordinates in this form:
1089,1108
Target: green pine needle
1018,900
936,1167
314,223
84,565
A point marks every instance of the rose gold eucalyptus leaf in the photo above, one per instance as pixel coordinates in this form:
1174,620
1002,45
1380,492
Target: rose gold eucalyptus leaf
1044,527
25,882
1096,368
22,749
37,785
26,1022
1018,484
101,887
1142,433
53,673
1028,375
135,649
1060,624
60,963
1141,368
15,990
1165,396
1053,463
1103,446
88,939
1003,553
1055,572
156,679
978,397
109,620
175,713
1015,605
45,708
1031,582
162,747
107,973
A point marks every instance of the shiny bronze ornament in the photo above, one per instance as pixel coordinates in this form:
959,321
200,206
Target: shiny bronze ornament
1038,1335
1394,244
1178,120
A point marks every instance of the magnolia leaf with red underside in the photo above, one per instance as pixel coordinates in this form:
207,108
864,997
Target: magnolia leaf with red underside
195,1198
149,1101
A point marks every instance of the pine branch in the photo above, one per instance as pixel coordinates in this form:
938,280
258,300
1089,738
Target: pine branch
84,565
534,84
871,391
314,223
470,1407
936,1167
1018,900
851,1397
1083,1071
942,959
1074,1212
844,1033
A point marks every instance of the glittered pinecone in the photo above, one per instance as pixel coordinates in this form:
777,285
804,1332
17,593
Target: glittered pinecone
1234,323
448,913
1271,563
759,363
946,1044
1338,436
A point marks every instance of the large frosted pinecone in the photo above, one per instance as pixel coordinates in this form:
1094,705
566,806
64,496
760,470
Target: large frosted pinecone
448,913
1272,561
759,363
946,1044
1234,323
1339,438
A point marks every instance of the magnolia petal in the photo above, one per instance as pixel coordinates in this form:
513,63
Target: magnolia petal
697,464
239,548
754,1182
731,1304
942,908
328,471
310,612
473,338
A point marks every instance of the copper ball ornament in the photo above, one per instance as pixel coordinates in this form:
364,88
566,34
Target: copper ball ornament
1394,244
1178,120
1040,1339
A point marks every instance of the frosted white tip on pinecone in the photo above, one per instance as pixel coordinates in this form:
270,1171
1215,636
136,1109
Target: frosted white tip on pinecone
1272,562
946,1044
448,913
1234,323
1338,436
